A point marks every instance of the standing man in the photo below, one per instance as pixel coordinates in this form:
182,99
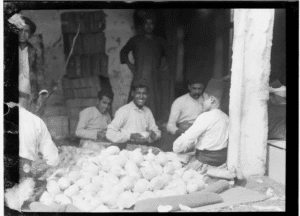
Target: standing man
184,112
93,121
134,121
148,51
31,93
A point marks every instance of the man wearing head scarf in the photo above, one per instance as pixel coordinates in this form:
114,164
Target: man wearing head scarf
148,51
209,133
31,92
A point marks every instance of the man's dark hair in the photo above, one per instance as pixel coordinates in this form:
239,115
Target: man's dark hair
107,93
139,86
30,24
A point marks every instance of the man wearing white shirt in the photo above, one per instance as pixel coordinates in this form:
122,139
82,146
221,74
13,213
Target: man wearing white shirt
134,122
184,112
93,121
34,138
208,135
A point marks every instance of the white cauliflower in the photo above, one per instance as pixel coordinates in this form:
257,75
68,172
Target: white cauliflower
125,153
97,180
101,208
161,159
170,192
166,179
136,157
82,182
72,190
169,168
120,160
118,189
147,195
91,187
156,183
110,199
164,208
136,175
91,168
189,174
62,199
63,183
179,172
126,200
53,187
104,164
149,172
131,166
73,176
96,202
150,156
128,182
112,150
177,164
47,198
141,185
178,185
117,170
112,178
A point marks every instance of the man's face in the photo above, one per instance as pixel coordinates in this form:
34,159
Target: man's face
207,103
196,90
104,104
140,96
24,34
148,26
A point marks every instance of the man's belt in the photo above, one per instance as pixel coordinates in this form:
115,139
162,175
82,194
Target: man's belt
213,158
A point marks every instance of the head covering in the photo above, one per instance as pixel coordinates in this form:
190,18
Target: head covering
140,83
215,88
198,79
31,24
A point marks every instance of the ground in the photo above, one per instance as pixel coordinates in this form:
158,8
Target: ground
264,185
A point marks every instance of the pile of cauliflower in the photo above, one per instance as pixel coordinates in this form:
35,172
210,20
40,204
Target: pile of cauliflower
115,179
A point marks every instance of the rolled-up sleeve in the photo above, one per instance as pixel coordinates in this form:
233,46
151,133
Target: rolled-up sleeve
47,146
115,133
174,116
189,138
81,131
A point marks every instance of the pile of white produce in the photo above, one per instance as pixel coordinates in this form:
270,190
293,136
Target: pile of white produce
114,179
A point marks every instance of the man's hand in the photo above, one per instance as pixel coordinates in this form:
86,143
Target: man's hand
153,135
184,125
137,138
179,132
131,66
39,167
101,135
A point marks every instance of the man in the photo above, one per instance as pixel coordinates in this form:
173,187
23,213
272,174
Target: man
148,51
184,112
31,93
93,121
134,121
34,138
208,134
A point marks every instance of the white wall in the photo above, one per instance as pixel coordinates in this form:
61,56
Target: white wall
119,28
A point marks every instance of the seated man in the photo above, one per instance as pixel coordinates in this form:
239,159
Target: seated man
93,121
34,138
134,122
208,134
184,112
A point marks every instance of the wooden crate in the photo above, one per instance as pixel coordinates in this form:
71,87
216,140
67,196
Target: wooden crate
276,160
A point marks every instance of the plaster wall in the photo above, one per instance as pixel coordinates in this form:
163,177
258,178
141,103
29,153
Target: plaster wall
249,93
119,28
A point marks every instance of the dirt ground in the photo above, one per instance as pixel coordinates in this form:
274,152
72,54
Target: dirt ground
263,185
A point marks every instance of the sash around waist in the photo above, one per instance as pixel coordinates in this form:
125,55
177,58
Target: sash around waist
213,158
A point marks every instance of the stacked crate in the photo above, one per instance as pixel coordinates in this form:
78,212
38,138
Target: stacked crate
87,63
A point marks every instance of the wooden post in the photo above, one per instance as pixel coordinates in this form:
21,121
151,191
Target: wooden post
253,30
